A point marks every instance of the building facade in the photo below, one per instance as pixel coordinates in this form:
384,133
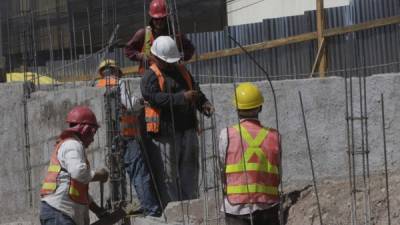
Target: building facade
253,11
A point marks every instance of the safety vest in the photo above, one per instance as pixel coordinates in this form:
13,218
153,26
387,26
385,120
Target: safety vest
129,124
252,174
103,82
152,115
148,42
128,121
78,192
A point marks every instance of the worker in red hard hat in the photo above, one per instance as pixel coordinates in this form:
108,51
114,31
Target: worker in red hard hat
138,48
64,194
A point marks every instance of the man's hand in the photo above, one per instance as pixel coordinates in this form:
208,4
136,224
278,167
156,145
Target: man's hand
101,175
208,109
102,213
99,211
191,96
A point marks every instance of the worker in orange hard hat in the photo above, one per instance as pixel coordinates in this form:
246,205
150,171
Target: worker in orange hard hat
250,153
138,48
64,194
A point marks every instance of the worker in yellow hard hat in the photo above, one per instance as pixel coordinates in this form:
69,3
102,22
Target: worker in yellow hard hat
108,68
250,155
130,117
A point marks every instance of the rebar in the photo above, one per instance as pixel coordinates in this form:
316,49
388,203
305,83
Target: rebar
251,206
281,218
310,158
90,31
50,50
385,159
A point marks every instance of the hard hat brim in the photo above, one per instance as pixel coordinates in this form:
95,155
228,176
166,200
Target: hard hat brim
165,59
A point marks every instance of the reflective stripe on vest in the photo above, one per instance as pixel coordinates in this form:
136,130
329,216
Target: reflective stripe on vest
78,191
148,41
254,148
252,188
129,124
152,115
252,178
103,82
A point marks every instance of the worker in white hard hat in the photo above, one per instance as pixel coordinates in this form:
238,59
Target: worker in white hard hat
249,153
173,98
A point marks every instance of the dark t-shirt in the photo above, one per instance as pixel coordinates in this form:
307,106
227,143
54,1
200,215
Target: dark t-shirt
174,87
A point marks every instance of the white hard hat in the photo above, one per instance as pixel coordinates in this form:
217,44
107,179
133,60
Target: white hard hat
164,47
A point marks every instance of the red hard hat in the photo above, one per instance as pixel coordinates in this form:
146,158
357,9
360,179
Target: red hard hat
82,115
158,9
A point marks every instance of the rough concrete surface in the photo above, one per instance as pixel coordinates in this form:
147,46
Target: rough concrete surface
325,108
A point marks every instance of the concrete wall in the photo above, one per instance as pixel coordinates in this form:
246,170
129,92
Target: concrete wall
325,108
253,11
46,116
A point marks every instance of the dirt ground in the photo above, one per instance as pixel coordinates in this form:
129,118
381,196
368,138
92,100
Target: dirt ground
335,203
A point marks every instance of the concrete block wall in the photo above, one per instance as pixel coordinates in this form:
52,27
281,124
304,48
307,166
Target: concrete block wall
325,108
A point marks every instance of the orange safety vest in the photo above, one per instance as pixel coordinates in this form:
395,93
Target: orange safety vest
252,174
128,120
148,42
103,82
129,124
152,115
78,192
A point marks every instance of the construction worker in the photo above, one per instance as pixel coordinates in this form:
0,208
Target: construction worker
109,68
64,195
130,124
249,153
173,98
138,48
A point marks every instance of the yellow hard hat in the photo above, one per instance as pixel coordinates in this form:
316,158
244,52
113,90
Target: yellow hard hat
107,62
248,96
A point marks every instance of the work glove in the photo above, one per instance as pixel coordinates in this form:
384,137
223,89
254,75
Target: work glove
208,109
191,96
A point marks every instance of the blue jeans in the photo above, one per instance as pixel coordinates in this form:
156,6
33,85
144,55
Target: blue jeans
51,216
139,174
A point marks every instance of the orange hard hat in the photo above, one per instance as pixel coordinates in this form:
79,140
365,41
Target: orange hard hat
158,9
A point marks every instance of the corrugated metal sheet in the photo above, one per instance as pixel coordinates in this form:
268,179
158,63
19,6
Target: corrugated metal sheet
371,51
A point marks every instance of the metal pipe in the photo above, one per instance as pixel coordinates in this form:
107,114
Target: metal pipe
311,160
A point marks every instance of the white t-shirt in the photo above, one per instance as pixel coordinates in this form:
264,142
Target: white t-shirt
72,158
130,101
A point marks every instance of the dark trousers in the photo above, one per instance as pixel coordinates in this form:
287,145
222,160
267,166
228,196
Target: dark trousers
260,217
141,179
51,216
